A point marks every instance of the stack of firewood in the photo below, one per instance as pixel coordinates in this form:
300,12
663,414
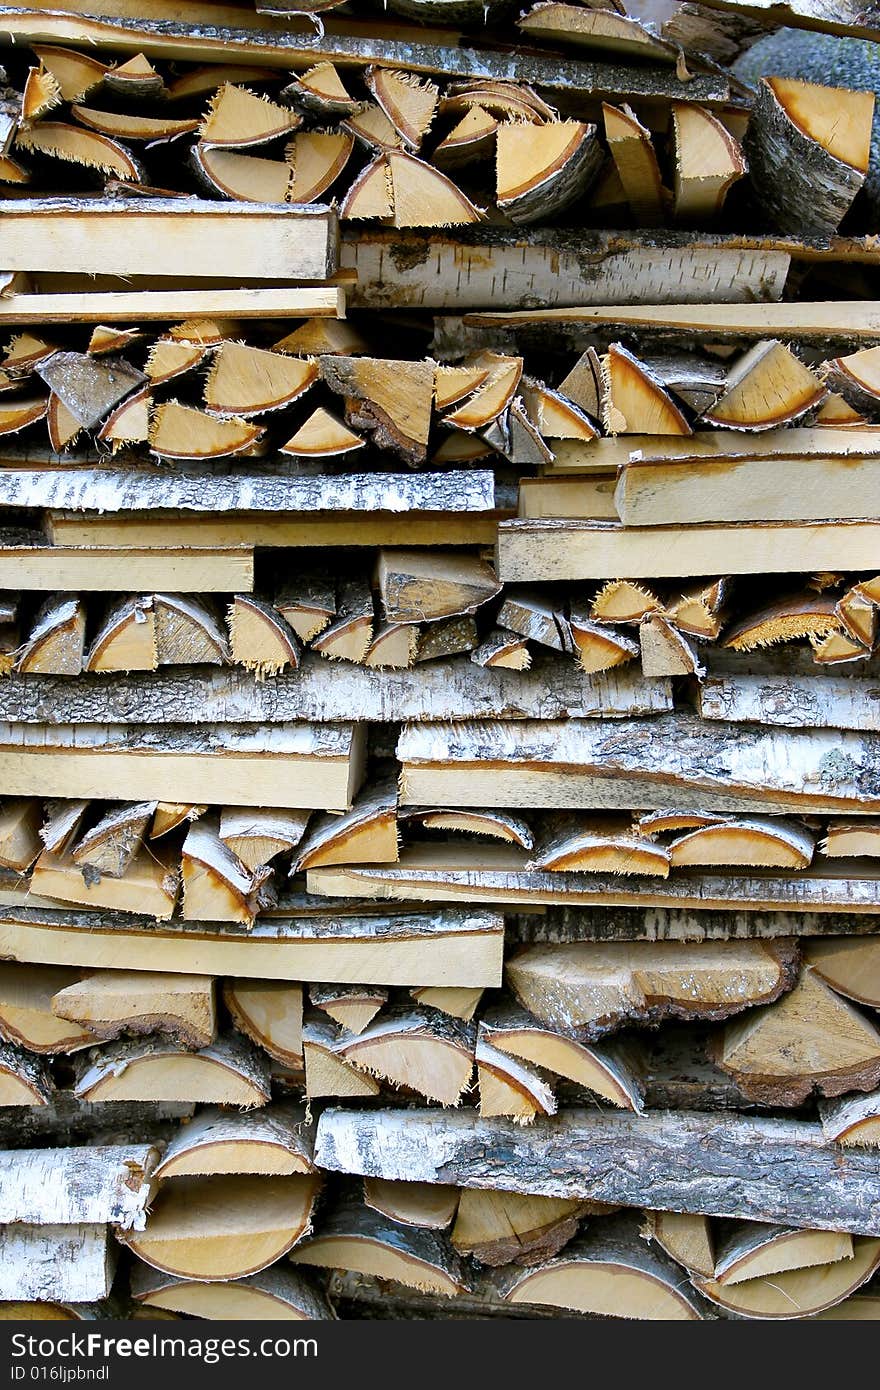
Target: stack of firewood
439,675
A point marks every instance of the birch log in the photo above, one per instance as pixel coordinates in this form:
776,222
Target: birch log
799,702
678,1162
69,1264
107,1184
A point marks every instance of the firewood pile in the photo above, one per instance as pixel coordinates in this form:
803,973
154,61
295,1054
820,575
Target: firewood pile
439,663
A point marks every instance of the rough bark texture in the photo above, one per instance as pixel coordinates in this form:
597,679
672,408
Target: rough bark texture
799,702
748,1168
69,1264
641,923
107,1184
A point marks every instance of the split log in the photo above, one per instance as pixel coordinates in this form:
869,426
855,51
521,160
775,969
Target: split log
445,639
74,145
393,647
126,639
352,1236
244,381
26,1010
89,387
808,150
493,825
598,987
307,603
257,835
427,1052
635,401
278,1294
848,839
422,587
349,634
600,648
636,163
366,834
109,1003
327,1072
535,618
509,1086
270,1013
750,1250
56,641
170,815
852,1120
460,1003
799,1292
503,648
428,1206
599,844
260,638
181,432
226,1072
98,1185
61,824
844,18
607,1072
708,161
150,883
404,191
216,767
809,1042
276,1141
238,118
608,1271
500,1228
442,947
578,764
25,1080
70,1263
111,844
687,1238
20,842
794,702
323,436
767,387
758,840
351,1006
390,400
543,169
226,1227
683,1162
665,651
850,967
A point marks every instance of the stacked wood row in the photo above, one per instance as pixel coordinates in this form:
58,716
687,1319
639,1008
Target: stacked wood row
439,720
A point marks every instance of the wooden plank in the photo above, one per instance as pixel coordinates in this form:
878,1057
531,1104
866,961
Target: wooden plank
450,947
673,492
68,1187
530,551
856,321
476,267
322,692
750,1168
119,569
797,702
591,497
199,33
497,874
170,236
193,489
315,767
57,1264
149,306
609,455
676,760
163,529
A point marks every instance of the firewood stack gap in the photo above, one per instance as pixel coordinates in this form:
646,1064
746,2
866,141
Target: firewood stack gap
439,662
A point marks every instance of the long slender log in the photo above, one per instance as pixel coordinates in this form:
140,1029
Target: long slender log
850,17
749,1168
318,692
106,1184
687,923
798,702
147,306
402,947
67,1121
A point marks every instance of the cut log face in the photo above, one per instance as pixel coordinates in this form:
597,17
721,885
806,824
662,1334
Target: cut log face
408,102
417,586
188,632
168,359
257,835
317,158
226,1072
237,119
247,178
111,844
543,169
636,402
600,648
150,883
126,127
600,986
226,1227
126,640
322,91
492,825
797,1293
601,844
852,1120
323,436
460,1003
505,649
708,161
536,618
500,1228
307,603
112,1002
785,620
276,1141
510,1087
75,145
851,839
393,647
180,432
850,966
20,843
270,1013
636,164
374,130
810,1041
428,1206
327,1071
622,601
24,1078
62,822
757,840
665,651
278,1294
808,148
610,1271
686,1237
57,639
352,1236
751,1250
217,887
391,400
432,1054
170,815
367,834
605,1071
768,387
260,638
26,1010
246,381
353,1007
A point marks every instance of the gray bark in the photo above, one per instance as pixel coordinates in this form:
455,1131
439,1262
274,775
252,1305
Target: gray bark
689,923
67,1121
798,702
55,1187
748,1168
